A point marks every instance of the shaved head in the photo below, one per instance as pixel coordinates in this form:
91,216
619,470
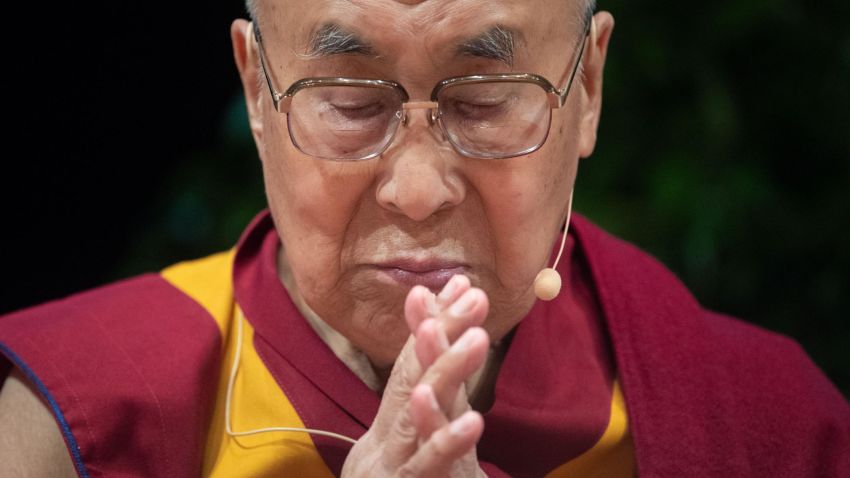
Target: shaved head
251,6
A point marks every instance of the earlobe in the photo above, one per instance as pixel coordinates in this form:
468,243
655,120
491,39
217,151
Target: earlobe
594,64
241,35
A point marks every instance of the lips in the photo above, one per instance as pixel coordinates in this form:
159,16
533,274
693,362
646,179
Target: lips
433,274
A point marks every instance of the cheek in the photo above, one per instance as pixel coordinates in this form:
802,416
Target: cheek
526,201
313,202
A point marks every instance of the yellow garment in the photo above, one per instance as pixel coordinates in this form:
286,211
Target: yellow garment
612,456
259,405
258,401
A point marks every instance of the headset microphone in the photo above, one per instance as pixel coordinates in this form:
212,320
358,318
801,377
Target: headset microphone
547,284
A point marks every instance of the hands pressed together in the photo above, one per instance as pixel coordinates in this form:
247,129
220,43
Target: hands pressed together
425,426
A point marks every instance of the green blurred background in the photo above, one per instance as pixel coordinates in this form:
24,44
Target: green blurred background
724,150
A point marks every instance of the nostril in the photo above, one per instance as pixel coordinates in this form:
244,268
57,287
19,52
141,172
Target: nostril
417,192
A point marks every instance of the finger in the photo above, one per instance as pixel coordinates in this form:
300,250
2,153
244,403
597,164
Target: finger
407,369
454,288
393,421
469,310
447,445
405,374
431,342
425,412
417,306
445,377
393,426
402,439
460,405
451,369
422,303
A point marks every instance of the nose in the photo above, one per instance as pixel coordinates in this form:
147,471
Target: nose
420,173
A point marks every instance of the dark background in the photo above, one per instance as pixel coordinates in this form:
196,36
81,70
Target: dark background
724,150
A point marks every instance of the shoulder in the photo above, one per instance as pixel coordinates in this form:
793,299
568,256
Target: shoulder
184,291
115,320
644,286
778,400
140,324
122,298
632,281
633,284
708,379
146,349
764,361
776,372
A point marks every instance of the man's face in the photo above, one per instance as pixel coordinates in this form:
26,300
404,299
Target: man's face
355,234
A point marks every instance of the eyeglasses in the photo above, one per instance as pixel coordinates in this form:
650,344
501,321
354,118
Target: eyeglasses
493,116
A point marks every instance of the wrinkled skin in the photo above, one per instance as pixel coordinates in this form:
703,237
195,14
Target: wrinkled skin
420,199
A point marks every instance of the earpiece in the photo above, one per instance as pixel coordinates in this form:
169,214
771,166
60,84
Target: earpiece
547,284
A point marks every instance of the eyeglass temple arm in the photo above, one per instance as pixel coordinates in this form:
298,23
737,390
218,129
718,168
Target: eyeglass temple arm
276,97
562,95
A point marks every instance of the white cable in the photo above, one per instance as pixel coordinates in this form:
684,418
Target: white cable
232,379
566,228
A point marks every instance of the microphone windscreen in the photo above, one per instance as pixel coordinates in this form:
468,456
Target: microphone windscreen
547,284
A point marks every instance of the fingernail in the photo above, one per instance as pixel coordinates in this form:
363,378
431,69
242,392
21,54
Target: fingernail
449,289
462,425
464,304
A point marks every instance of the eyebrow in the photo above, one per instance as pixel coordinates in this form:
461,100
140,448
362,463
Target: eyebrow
332,39
497,43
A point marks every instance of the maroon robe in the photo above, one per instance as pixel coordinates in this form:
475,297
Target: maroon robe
706,395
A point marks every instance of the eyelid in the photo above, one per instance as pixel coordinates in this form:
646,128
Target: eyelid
343,106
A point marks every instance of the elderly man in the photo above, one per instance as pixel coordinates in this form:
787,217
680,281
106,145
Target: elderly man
393,312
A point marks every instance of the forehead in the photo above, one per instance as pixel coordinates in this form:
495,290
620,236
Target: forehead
397,25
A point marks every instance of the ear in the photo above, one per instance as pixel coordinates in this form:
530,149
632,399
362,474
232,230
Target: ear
593,69
245,54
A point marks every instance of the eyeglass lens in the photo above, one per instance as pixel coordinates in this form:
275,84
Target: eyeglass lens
487,120
344,122
495,120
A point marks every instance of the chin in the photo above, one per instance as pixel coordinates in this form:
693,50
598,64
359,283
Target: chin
382,352
379,334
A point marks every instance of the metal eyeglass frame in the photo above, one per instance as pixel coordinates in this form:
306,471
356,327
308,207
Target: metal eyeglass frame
557,98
